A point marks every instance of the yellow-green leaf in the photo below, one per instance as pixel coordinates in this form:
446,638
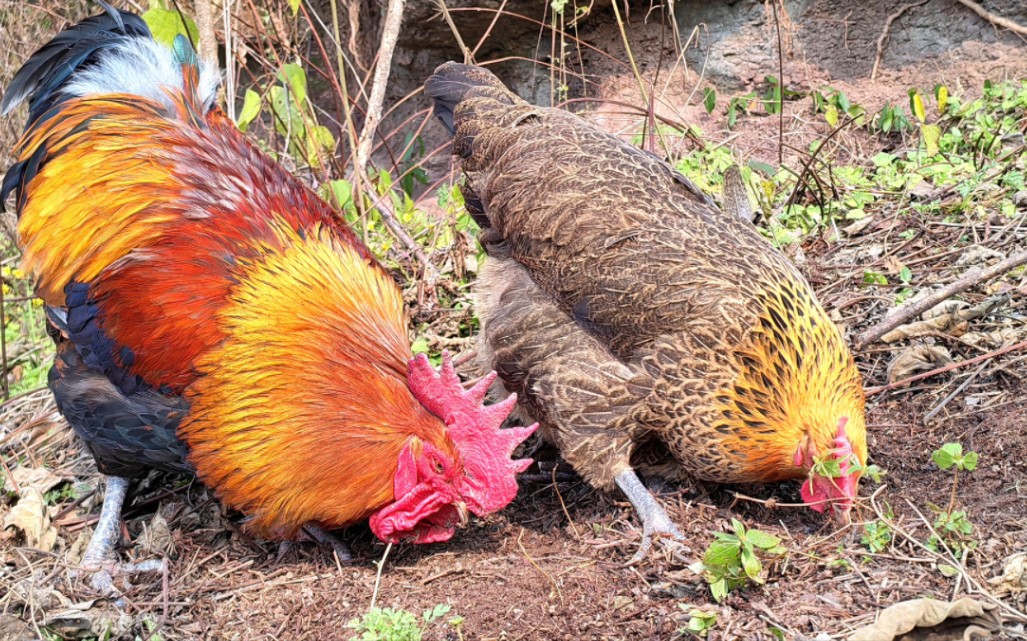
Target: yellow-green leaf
295,6
941,92
831,115
916,104
165,24
931,135
250,110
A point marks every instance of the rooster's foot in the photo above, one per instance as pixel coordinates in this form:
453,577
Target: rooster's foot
324,537
656,522
99,559
103,571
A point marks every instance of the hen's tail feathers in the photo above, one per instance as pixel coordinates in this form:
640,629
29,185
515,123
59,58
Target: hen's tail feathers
452,83
45,74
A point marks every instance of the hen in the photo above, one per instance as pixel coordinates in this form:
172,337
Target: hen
639,325
214,315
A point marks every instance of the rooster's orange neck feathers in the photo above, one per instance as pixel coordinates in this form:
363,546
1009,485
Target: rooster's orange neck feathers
310,324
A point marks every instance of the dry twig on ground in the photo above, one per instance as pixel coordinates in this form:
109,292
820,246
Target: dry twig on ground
915,308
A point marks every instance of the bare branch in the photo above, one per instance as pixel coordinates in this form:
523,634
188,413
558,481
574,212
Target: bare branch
917,307
998,21
390,34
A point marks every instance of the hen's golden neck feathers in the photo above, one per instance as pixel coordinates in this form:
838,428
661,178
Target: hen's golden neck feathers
306,399
797,380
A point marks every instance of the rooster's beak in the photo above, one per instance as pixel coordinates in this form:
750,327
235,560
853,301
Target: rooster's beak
842,516
461,510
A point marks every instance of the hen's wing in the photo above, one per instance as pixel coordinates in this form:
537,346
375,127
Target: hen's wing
619,239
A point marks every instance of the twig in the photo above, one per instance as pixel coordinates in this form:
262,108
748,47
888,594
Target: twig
948,399
998,21
378,577
389,218
871,391
390,34
883,39
780,88
226,21
915,308
4,386
563,505
468,54
469,58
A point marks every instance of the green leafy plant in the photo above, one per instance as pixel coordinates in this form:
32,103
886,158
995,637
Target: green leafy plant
954,528
877,536
875,473
951,456
386,624
700,622
732,560
951,525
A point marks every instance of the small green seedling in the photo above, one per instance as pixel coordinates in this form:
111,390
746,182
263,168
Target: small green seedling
386,624
951,456
732,560
876,536
956,530
875,473
699,623
952,526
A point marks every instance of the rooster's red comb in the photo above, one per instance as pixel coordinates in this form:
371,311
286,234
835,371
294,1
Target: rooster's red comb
475,428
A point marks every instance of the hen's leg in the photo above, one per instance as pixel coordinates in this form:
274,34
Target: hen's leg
655,520
99,558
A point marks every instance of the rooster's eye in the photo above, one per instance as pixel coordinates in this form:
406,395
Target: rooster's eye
439,468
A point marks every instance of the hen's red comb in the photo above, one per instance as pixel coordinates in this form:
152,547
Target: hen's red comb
475,428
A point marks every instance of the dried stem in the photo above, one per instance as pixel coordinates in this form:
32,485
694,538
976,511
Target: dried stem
882,40
390,34
915,308
998,21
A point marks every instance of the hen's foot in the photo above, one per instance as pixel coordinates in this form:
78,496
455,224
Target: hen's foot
656,523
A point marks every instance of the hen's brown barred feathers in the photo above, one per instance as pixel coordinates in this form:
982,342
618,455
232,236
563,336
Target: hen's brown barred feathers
623,306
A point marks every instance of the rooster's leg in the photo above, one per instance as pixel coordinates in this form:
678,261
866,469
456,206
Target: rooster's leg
99,558
655,520
324,537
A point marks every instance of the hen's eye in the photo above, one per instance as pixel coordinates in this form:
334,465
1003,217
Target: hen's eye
439,468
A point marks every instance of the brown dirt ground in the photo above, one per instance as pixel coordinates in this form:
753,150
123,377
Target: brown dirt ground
551,566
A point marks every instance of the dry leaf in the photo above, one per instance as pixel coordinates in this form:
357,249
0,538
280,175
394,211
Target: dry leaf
948,324
964,618
916,359
156,538
32,516
1014,575
39,478
979,254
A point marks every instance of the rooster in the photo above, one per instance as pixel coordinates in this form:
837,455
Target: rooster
639,325
214,316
